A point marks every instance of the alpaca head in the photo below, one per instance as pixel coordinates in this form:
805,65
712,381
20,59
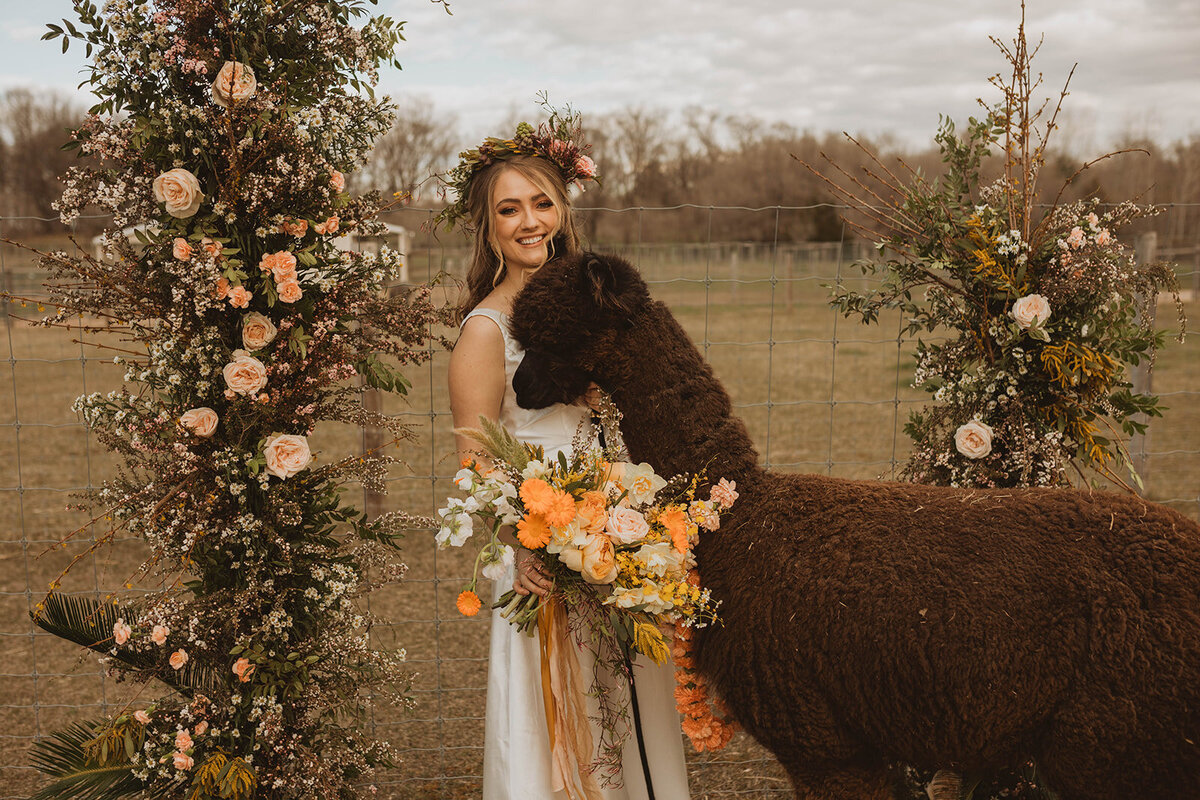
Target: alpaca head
567,317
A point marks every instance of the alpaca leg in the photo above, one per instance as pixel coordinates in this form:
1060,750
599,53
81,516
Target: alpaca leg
840,782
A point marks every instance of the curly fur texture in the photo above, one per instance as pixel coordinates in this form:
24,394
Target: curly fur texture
868,622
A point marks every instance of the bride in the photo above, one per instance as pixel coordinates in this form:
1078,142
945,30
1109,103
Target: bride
512,195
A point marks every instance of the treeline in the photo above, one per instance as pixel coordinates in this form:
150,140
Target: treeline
654,159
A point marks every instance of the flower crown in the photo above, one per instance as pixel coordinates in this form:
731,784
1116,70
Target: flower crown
559,140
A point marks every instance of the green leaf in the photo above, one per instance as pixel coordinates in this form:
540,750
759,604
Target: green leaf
64,758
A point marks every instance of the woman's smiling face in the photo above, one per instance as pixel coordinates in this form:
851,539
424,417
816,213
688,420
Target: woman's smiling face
524,219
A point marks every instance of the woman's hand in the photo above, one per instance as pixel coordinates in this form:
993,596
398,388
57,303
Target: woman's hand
531,575
591,398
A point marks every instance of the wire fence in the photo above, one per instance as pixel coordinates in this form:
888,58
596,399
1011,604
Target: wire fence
818,393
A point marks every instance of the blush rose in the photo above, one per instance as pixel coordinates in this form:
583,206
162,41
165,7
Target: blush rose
245,374
235,82
257,331
974,439
1030,309
287,454
201,421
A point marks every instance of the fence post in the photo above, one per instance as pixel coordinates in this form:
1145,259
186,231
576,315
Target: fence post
733,275
1142,376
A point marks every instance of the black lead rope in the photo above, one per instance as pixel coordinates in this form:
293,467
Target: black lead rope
633,701
637,727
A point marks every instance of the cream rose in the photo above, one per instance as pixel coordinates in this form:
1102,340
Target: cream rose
178,659
626,526
257,331
235,82
1030,309
974,439
200,421
179,190
159,634
286,455
245,374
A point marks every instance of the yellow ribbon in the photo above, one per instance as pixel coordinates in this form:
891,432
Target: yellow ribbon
563,699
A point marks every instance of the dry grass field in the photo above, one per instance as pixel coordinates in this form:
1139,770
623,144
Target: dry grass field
819,394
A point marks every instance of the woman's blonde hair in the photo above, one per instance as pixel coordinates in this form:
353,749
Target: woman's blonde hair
487,268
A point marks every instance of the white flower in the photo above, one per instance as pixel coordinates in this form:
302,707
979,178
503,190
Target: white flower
535,469
465,479
457,525
642,482
974,439
659,558
497,566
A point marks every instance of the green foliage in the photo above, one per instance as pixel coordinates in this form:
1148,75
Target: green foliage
67,758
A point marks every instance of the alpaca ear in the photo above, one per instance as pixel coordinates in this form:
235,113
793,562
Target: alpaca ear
615,284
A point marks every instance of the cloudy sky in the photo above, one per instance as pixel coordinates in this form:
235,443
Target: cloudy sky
865,66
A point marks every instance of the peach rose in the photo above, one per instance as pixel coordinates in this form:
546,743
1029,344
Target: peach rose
287,454
596,561
626,526
724,493
235,82
245,374
289,291
295,227
338,181
243,669
1030,309
257,331
222,290
178,659
592,512
211,247
974,439
142,717
328,226
281,265
201,727
183,761
159,634
121,632
179,190
200,421
183,740
181,249
239,297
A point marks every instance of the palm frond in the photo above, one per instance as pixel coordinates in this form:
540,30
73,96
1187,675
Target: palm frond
64,757
497,442
90,623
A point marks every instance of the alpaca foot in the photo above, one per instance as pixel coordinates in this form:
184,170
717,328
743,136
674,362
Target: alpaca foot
946,785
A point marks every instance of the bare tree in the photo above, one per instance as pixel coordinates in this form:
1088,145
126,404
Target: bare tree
420,143
33,129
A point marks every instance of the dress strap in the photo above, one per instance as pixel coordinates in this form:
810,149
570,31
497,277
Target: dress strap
495,316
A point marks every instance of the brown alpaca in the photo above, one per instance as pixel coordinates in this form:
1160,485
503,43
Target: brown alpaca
868,622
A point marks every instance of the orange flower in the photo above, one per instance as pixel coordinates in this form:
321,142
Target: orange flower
533,532
537,495
468,603
555,505
675,520
685,696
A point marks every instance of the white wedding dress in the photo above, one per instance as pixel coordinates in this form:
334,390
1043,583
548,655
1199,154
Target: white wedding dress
516,750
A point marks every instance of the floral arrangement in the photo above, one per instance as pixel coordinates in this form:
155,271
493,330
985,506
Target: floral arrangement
1043,311
618,541
559,140
223,134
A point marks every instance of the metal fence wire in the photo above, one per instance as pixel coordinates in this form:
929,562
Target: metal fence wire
818,393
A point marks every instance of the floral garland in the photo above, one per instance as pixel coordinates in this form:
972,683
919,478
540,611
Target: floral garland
246,322
559,140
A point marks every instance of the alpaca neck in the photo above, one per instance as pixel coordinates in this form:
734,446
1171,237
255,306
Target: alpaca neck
676,414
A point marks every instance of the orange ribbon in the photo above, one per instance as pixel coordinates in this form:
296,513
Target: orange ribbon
563,699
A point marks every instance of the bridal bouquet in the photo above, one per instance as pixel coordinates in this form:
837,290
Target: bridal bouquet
617,538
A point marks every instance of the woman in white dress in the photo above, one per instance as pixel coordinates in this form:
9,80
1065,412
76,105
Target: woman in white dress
518,210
